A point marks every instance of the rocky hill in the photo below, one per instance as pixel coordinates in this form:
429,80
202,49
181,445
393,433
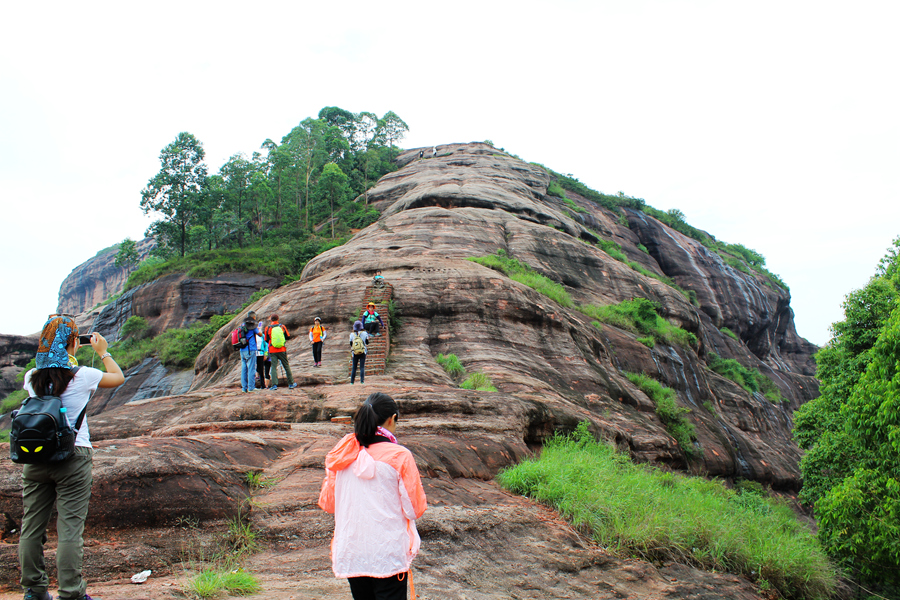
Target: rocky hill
169,470
95,280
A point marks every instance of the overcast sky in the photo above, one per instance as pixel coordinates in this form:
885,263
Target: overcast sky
770,124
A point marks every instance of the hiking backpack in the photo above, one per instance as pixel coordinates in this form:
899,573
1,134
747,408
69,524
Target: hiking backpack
40,432
239,338
358,346
276,334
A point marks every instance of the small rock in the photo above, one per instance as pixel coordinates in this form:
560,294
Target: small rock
141,577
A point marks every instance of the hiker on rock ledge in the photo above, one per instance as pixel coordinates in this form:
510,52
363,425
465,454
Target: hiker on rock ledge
317,336
373,488
66,483
359,348
277,336
371,319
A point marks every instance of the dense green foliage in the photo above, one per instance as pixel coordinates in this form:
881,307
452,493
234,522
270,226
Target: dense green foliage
276,257
315,180
177,348
672,415
750,379
851,434
646,512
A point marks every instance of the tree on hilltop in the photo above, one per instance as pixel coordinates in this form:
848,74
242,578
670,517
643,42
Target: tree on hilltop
177,191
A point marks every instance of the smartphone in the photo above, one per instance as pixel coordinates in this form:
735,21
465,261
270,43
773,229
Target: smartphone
84,340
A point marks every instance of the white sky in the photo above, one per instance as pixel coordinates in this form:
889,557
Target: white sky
771,124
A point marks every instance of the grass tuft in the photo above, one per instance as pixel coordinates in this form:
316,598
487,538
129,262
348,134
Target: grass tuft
640,316
672,415
478,381
451,364
212,582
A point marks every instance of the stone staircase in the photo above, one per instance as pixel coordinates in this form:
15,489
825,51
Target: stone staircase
379,346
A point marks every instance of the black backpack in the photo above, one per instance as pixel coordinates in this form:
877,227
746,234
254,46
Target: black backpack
40,432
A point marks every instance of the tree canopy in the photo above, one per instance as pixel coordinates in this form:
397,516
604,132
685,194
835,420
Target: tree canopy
318,175
851,433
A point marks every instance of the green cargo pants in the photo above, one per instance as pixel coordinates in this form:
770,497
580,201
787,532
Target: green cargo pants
69,484
280,357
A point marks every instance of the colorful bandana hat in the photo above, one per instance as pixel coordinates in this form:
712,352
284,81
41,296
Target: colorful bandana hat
55,336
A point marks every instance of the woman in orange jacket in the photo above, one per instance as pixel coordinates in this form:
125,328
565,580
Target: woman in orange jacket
368,474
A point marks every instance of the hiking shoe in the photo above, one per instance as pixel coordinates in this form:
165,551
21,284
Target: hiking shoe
32,595
292,386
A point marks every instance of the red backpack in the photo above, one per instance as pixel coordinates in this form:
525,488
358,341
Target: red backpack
239,338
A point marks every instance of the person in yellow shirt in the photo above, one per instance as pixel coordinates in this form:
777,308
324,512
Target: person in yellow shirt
317,336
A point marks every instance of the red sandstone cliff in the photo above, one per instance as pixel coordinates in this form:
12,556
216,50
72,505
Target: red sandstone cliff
163,460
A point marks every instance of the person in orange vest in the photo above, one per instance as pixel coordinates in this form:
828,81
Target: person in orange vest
278,352
317,335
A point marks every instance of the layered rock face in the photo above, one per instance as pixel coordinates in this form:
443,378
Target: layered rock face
166,461
15,352
95,280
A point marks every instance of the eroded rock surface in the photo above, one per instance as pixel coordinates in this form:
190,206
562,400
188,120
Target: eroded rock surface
179,463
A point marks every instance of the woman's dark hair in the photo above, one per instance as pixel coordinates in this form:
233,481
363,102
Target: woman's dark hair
377,409
51,380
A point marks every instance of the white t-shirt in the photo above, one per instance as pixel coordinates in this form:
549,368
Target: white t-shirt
75,398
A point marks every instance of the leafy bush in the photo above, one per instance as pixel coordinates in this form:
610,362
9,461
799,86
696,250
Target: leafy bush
135,327
668,410
555,190
395,321
478,381
642,511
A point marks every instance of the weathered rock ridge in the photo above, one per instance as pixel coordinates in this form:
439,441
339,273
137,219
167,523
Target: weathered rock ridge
15,352
170,468
96,279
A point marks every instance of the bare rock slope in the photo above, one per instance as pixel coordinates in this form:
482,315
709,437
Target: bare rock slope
168,470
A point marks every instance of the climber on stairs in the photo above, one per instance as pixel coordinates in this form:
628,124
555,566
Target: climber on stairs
371,320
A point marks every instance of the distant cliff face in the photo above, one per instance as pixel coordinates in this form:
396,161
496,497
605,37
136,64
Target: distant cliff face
96,279
162,461
15,352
